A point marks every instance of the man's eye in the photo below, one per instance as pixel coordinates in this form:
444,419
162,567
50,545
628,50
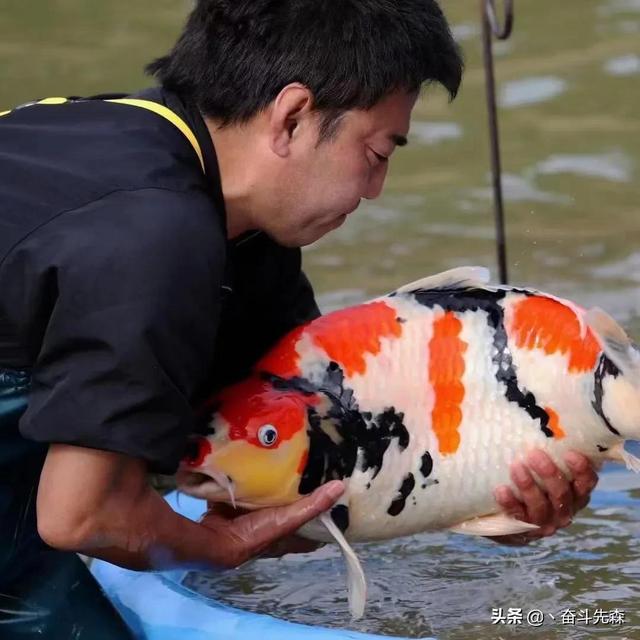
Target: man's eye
379,157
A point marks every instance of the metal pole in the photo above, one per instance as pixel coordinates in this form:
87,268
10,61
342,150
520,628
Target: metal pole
491,28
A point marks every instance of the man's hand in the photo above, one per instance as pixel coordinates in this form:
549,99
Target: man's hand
113,514
269,532
551,507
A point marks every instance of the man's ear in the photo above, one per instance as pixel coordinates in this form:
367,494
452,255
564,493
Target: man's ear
291,106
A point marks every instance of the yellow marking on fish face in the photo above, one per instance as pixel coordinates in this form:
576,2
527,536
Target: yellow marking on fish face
261,477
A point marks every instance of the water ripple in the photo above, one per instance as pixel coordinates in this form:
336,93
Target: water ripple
447,586
615,166
518,93
623,65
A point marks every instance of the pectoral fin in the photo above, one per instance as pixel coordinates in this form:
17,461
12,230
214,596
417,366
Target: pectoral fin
356,581
617,345
618,453
498,524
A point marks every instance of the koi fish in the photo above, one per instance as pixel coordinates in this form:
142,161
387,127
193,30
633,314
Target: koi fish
420,400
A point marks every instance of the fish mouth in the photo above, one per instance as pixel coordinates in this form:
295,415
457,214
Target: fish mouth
214,488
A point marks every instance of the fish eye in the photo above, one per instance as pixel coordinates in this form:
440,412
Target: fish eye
267,435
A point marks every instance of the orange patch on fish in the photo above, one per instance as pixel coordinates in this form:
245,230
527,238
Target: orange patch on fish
283,359
446,368
544,323
346,336
554,424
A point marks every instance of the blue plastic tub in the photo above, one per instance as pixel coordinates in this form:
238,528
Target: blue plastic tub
157,607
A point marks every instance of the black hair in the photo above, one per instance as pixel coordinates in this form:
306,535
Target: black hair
234,56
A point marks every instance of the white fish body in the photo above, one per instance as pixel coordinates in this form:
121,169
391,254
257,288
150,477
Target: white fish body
449,382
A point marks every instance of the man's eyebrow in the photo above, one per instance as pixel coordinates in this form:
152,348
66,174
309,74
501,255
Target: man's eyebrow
398,140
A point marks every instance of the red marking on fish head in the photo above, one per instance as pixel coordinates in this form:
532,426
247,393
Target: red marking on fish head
259,435
260,414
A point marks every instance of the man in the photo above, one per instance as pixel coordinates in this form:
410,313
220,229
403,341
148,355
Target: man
149,253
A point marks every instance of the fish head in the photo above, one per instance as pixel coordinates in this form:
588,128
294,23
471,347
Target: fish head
256,446
617,375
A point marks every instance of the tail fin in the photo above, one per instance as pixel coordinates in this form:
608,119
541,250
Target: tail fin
356,581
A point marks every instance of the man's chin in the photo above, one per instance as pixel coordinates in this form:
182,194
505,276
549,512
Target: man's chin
307,236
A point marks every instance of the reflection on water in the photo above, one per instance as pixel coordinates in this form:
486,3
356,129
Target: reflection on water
620,6
447,585
530,91
627,268
465,31
434,132
623,66
519,189
615,166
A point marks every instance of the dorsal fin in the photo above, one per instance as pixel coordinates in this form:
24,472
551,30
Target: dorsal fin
458,278
616,344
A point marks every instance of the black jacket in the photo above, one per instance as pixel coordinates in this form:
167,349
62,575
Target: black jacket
119,292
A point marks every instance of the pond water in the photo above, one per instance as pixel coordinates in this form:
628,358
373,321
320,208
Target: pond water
569,94
452,587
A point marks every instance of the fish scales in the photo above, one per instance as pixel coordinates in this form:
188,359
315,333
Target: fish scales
420,401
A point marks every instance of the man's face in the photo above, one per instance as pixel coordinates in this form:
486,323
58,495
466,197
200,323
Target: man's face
319,185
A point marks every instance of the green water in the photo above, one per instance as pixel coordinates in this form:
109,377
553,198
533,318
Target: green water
569,84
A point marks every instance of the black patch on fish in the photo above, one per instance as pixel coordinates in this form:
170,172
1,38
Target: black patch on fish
397,505
203,420
473,299
301,385
605,368
602,449
400,320
426,466
340,436
391,425
368,485
340,515
429,483
315,469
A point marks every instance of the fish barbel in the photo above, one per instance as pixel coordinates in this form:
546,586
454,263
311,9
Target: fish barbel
420,400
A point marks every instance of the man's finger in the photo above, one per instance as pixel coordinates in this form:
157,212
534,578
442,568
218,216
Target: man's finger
584,478
260,528
537,505
556,485
510,504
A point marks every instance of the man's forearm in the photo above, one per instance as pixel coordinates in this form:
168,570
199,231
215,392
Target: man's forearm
100,504
174,542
